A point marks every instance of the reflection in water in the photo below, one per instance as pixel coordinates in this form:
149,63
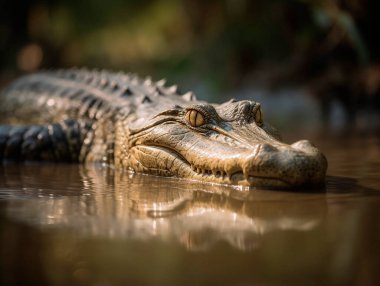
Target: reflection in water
104,202
71,225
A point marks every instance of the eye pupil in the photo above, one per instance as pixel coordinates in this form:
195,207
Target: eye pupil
199,120
195,118
259,117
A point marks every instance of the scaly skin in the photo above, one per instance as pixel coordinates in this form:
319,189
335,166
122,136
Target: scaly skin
144,126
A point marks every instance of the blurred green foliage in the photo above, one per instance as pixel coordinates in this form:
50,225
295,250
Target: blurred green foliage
221,41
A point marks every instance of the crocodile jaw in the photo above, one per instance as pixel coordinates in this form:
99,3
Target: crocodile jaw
283,170
255,159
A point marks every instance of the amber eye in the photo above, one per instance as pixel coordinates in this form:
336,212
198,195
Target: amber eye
259,117
195,118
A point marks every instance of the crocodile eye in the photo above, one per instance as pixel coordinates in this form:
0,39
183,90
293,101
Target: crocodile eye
195,118
259,117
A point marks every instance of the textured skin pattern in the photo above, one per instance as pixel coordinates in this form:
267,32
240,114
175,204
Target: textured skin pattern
53,142
145,126
49,99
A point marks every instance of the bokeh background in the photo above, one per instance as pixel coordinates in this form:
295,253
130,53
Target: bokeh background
314,65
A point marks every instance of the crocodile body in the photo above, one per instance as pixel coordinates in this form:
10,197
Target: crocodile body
144,126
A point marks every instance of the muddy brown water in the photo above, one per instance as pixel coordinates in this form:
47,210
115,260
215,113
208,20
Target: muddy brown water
74,225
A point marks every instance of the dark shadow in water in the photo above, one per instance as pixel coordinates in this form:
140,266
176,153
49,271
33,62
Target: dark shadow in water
87,224
347,185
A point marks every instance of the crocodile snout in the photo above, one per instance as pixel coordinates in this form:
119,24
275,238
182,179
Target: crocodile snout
300,163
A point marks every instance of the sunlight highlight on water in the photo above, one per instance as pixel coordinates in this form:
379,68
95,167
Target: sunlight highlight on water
78,221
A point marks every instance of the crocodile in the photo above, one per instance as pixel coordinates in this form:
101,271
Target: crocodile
145,126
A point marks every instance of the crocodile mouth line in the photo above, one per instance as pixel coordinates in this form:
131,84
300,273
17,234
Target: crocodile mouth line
220,176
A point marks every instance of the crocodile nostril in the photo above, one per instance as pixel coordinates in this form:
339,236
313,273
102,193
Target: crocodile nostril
267,148
303,145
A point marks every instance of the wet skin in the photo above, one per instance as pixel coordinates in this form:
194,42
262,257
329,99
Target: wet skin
148,127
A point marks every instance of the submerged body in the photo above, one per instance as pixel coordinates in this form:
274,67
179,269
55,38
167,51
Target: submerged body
147,127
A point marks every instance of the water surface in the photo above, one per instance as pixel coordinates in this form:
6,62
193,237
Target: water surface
74,225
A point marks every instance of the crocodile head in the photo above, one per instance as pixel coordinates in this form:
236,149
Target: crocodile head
227,144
